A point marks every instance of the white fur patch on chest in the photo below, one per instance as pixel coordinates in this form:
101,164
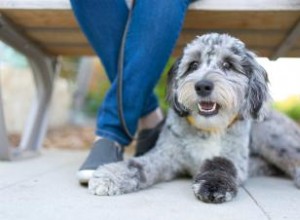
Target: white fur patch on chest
205,149
198,149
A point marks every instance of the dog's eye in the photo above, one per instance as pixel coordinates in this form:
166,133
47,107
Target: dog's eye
193,66
226,65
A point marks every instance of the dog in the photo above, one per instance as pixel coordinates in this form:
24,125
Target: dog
219,129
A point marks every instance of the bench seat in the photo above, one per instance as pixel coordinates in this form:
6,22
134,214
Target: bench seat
264,25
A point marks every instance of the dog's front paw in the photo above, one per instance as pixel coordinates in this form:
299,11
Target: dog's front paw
214,187
115,179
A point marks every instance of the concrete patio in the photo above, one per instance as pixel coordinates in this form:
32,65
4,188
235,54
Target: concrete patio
45,188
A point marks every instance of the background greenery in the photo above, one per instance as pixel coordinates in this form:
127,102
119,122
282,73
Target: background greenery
290,106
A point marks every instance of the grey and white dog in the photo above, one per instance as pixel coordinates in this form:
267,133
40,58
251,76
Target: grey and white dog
219,129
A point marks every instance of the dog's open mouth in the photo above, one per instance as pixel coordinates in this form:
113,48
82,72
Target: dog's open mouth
208,108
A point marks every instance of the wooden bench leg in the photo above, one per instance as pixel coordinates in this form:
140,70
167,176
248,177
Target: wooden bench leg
44,68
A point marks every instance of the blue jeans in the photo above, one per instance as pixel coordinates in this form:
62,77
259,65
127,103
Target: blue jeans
153,31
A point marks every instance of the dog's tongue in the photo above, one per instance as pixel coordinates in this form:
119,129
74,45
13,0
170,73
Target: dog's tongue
207,105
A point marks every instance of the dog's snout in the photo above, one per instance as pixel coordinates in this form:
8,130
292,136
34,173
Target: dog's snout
204,87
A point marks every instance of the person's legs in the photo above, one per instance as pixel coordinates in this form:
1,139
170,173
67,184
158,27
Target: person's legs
103,23
154,28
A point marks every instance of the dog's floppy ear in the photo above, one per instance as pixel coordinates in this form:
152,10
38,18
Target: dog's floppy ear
257,95
171,90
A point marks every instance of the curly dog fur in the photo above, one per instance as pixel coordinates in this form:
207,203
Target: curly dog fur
219,130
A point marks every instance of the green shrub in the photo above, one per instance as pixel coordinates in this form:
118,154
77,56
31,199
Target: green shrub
161,87
290,107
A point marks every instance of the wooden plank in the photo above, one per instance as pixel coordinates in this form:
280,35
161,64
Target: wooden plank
70,51
81,51
270,20
57,30
85,50
199,5
288,42
42,18
260,52
297,44
76,49
258,38
56,36
295,52
253,20
263,38
64,39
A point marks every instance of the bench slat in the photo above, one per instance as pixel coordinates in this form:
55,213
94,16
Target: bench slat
203,4
57,32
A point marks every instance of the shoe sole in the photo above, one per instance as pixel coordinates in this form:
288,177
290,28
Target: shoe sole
84,176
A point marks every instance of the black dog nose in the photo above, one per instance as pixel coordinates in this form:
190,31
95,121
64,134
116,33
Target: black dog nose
204,87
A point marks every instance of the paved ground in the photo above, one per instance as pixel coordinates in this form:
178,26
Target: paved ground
45,188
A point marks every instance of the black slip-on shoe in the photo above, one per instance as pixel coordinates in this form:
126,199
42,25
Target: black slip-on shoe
147,138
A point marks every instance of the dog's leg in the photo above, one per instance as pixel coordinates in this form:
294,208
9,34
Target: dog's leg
217,181
258,166
132,175
277,140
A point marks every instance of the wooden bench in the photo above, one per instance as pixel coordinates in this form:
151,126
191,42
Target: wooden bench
43,30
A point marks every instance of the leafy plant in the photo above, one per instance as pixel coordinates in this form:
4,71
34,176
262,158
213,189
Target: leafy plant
161,87
290,107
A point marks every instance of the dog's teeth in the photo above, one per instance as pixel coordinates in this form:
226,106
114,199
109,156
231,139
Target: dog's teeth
207,110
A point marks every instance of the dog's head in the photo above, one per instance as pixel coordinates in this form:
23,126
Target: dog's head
216,80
